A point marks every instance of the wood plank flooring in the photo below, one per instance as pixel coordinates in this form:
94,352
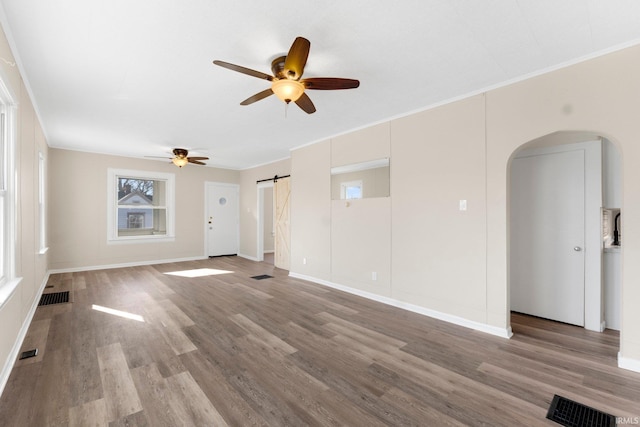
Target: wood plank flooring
206,345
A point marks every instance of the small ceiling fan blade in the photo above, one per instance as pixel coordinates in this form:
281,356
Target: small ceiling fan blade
243,70
305,103
296,58
330,83
195,162
197,158
257,97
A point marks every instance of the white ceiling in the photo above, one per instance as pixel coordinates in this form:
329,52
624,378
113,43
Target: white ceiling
135,77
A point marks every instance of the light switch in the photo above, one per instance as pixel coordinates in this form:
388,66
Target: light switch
463,205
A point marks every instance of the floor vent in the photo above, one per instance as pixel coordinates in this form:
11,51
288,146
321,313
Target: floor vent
29,353
54,298
572,414
261,277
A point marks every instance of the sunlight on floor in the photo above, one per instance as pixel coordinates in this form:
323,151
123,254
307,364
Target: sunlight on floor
199,272
118,313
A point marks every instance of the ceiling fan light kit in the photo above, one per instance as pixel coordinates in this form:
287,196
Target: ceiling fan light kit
287,90
181,158
285,81
180,161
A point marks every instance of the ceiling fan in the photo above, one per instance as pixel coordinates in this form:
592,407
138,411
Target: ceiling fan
285,81
181,158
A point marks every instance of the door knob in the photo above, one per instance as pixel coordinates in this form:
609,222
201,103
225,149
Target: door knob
577,248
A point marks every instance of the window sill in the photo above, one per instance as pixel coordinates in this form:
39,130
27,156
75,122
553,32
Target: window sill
138,240
7,290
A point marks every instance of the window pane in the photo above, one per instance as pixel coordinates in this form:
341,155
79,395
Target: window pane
132,190
141,222
141,202
353,192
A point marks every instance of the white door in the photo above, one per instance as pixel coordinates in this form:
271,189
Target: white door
222,219
547,236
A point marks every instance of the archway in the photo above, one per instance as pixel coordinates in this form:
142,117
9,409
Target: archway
602,269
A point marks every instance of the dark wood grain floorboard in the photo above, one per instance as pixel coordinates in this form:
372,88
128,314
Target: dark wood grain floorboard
225,349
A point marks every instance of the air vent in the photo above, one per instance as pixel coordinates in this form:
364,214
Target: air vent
262,277
29,353
572,414
54,298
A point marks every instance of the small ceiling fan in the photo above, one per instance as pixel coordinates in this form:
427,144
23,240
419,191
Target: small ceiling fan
181,158
287,72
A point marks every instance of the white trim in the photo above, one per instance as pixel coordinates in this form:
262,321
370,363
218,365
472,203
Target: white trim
112,206
363,166
260,220
456,320
124,265
628,363
13,355
8,289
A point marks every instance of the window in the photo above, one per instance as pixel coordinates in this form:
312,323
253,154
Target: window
8,278
351,190
41,203
140,206
3,199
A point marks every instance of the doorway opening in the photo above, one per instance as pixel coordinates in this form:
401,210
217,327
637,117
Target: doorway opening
266,223
560,267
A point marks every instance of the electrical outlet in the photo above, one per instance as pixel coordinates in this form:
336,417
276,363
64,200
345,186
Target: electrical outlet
463,205
374,275
304,261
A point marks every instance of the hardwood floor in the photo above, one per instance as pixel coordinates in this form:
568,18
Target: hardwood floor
225,349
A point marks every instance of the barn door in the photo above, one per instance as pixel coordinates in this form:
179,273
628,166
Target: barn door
282,191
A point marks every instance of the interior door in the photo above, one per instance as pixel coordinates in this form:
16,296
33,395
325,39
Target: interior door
547,236
282,192
222,219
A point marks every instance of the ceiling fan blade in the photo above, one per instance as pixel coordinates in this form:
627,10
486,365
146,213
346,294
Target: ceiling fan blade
197,158
305,103
257,97
297,58
195,162
244,70
330,83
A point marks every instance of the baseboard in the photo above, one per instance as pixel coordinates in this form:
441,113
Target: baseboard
13,355
124,265
456,320
629,364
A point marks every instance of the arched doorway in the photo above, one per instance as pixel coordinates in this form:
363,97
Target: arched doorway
553,273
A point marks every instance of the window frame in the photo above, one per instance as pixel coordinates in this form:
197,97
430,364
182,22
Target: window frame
113,175
42,202
9,279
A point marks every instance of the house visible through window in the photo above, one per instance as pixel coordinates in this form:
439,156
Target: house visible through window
141,205
135,220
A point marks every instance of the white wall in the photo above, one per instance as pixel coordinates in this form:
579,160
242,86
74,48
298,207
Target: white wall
17,308
79,211
452,263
